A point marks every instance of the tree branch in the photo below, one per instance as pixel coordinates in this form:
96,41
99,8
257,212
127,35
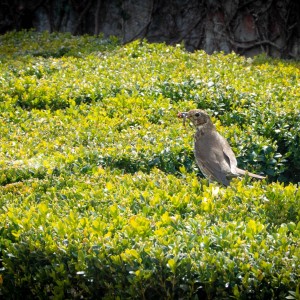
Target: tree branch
255,44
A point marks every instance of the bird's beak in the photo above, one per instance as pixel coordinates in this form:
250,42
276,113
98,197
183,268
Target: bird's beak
183,115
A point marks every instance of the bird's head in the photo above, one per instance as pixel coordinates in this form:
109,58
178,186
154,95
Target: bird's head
198,117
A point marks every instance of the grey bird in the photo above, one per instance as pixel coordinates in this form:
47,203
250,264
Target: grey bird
213,154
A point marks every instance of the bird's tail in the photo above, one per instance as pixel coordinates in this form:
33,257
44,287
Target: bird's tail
243,172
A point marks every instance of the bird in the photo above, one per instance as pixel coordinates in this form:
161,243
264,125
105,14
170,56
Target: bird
213,154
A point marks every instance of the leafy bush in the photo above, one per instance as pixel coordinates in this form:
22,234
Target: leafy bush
100,196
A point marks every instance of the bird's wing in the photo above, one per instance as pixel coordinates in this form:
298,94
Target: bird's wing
213,170
211,159
223,151
229,156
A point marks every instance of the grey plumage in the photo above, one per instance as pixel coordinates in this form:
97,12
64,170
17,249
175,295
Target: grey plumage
213,154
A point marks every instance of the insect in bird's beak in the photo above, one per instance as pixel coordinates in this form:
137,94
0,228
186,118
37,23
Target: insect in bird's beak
182,115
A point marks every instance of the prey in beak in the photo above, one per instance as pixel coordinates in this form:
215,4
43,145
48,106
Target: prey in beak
183,116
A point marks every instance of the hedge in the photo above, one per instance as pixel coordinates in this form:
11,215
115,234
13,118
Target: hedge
100,195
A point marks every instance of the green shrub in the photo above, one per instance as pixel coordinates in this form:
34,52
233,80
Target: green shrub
100,196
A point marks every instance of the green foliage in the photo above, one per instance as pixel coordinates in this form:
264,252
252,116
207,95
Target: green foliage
99,192
15,45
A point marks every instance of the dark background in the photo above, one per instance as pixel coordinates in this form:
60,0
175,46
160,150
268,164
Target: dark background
244,26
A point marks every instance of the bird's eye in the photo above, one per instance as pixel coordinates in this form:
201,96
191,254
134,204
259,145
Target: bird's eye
197,114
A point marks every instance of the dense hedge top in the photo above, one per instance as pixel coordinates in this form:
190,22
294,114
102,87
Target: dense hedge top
255,102
99,194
